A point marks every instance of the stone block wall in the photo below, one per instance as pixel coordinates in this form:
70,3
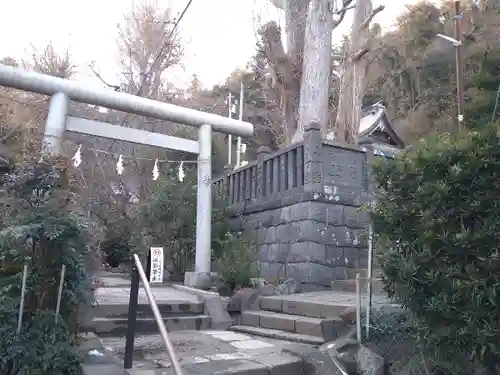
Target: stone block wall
314,242
303,205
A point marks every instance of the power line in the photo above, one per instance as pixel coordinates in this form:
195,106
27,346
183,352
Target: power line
165,43
160,52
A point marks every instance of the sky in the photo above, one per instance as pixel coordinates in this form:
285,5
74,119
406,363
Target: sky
219,35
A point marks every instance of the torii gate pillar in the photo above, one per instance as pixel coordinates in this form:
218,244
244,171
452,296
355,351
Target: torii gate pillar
62,91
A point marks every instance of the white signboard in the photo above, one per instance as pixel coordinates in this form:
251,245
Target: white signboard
156,275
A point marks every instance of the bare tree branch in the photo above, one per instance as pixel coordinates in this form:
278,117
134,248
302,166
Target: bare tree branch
370,17
353,80
346,5
98,75
287,84
278,3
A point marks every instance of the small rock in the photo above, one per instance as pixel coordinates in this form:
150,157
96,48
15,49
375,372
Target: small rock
344,350
96,353
288,287
243,299
319,363
348,315
369,362
267,290
258,282
224,291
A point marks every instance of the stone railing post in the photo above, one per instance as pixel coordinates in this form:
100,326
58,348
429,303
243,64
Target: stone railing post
369,158
227,171
262,152
313,170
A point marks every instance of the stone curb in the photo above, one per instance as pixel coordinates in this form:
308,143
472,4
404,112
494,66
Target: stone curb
215,306
198,292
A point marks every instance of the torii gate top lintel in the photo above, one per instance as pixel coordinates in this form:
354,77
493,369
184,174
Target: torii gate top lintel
47,85
63,90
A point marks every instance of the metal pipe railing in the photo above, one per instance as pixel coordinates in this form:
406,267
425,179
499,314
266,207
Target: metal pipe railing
159,320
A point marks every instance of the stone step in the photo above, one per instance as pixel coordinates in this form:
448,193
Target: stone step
351,273
310,308
144,309
279,335
263,364
104,326
349,286
327,329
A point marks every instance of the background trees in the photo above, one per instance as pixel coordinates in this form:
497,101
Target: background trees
408,69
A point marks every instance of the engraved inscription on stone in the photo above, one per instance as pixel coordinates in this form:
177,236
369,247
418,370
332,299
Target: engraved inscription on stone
343,167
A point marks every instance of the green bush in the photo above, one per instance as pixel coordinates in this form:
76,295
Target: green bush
41,348
237,263
168,219
44,231
437,219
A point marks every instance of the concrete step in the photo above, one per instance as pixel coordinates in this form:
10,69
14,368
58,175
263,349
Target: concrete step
349,286
279,335
117,326
325,328
144,309
312,308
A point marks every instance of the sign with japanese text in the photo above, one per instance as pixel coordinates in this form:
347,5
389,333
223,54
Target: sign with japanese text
156,275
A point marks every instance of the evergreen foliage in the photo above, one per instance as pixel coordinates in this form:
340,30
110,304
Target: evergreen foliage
437,218
44,231
168,219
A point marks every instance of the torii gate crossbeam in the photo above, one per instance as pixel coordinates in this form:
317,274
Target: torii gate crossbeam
63,90
120,101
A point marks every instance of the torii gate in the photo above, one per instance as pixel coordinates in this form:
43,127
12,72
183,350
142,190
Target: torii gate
63,90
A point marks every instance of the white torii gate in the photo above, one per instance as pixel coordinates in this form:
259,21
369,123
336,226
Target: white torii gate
63,90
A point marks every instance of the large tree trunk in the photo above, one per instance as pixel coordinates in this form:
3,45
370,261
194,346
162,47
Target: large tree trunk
307,61
317,65
353,76
295,21
287,64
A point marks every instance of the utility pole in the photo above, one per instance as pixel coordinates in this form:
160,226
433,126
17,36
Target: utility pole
238,141
458,17
229,137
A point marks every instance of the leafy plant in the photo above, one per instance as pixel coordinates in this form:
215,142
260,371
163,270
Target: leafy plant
437,219
236,265
41,348
168,219
44,231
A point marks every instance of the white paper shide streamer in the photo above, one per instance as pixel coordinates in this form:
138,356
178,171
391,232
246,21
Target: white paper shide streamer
120,169
119,165
77,158
181,173
156,171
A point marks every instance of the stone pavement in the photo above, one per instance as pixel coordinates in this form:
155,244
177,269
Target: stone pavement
211,352
112,279
119,295
180,310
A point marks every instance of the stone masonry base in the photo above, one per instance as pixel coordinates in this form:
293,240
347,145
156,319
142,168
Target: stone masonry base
313,242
